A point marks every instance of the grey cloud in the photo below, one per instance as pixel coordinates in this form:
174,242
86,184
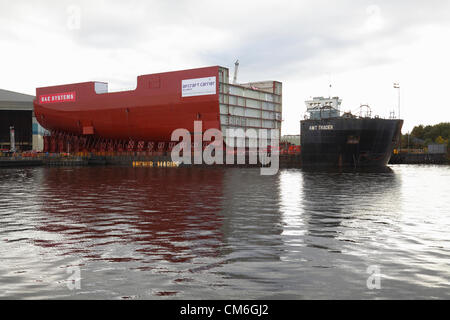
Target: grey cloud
289,46
275,38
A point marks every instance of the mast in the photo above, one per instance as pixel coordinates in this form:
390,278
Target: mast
236,67
397,86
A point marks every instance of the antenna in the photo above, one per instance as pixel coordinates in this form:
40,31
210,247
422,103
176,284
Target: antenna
329,85
397,86
236,67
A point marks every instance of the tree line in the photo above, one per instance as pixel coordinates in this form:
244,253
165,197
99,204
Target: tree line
421,136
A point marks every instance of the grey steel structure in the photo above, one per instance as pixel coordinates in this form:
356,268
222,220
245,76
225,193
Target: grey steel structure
16,110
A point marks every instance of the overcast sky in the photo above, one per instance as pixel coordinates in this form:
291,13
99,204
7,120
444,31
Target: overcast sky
360,47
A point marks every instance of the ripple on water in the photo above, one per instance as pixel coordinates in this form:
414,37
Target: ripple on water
214,233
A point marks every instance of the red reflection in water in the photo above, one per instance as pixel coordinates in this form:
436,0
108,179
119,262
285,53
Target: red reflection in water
171,214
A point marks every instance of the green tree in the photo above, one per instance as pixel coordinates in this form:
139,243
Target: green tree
418,132
431,133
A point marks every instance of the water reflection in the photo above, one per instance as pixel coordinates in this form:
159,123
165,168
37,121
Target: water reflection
291,207
333,228
346,207
319,204
250,207
223,233
166,214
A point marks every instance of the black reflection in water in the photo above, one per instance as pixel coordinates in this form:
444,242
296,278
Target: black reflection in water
337,202
161,214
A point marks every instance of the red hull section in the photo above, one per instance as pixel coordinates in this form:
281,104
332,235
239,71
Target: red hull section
76,112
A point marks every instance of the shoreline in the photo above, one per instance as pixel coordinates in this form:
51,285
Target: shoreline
286,161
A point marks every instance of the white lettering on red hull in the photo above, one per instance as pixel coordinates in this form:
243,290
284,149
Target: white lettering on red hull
58,97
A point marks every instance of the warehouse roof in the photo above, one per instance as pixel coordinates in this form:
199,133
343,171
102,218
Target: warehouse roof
10,100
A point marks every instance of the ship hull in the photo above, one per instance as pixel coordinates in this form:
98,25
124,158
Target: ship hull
151,112
348,142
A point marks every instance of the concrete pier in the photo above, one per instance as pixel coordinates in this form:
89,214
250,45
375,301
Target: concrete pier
128,160
419,158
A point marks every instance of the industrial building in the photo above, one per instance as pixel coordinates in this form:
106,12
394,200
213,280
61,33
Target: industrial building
291,139
16,112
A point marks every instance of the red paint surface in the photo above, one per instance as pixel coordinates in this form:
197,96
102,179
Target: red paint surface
150,113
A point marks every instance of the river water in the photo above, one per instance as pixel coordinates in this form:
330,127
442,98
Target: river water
205,233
